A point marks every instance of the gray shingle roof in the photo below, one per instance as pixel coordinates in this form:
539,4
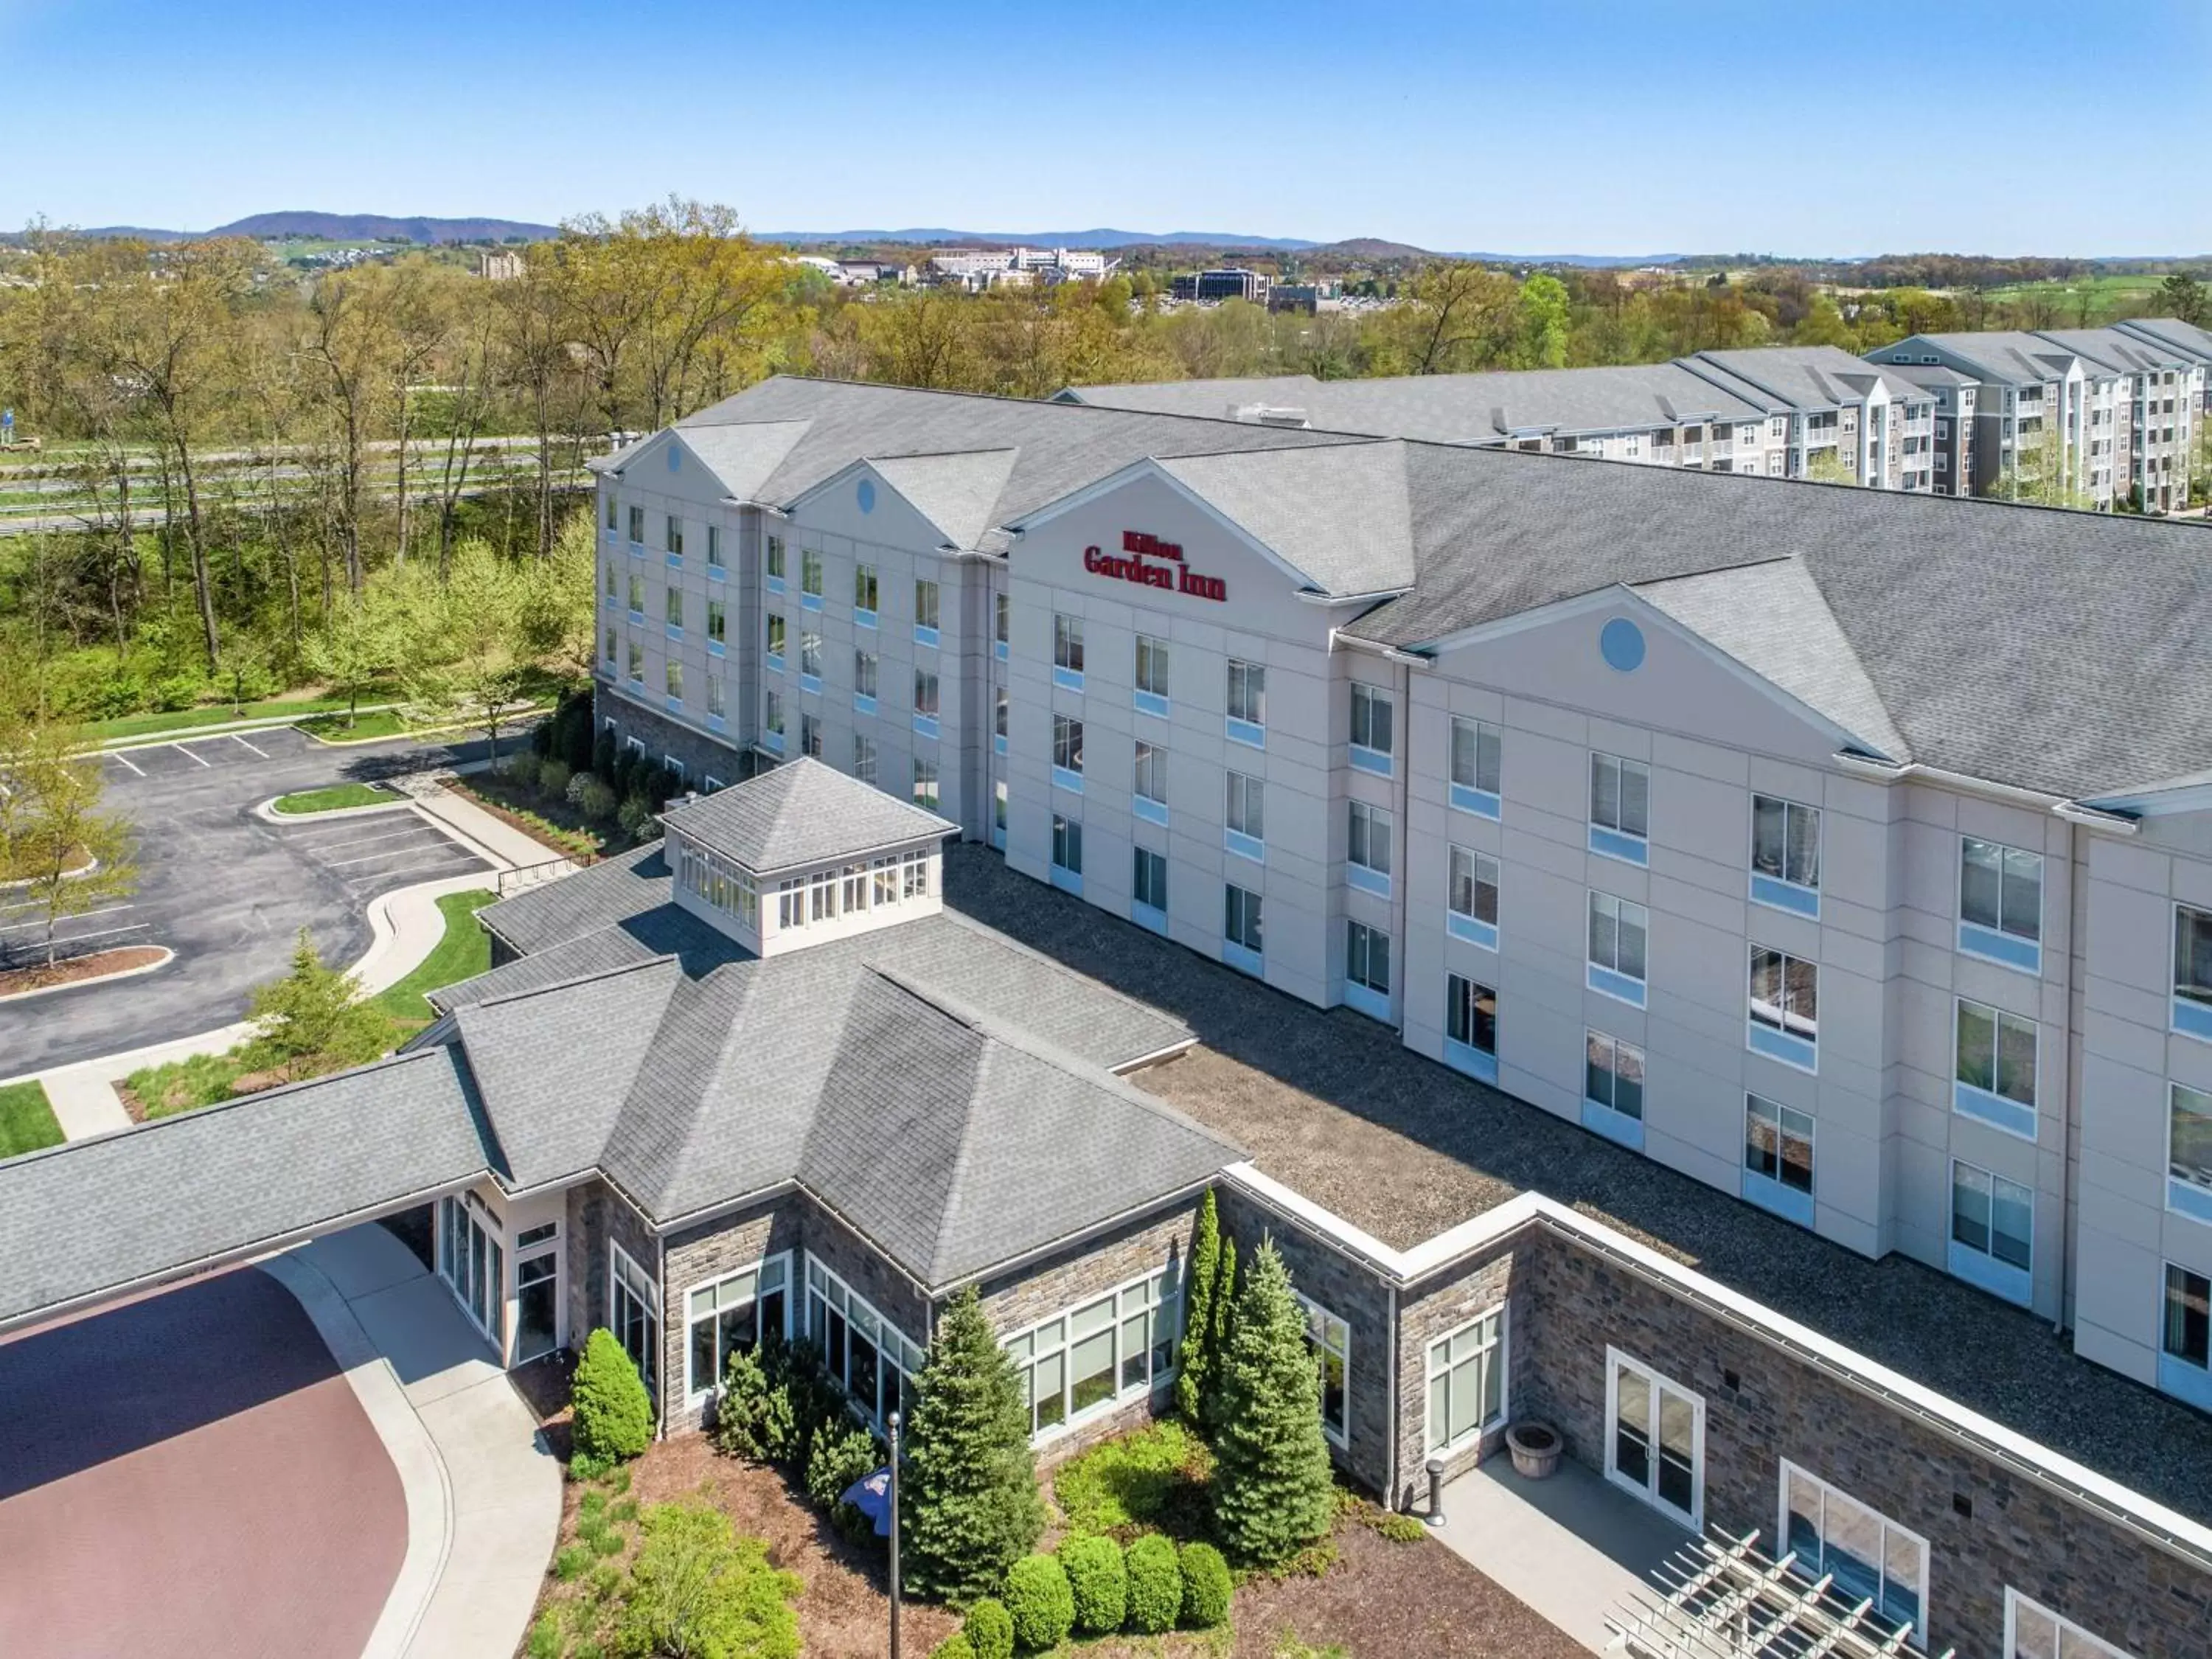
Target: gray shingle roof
2009,356
626,885
1336,515
1799,377
98,1216
2184,338
802,813
957,493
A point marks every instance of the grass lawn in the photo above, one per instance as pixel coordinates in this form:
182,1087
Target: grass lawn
463,953
336,797
186,720
185,1085
373,723
27,1122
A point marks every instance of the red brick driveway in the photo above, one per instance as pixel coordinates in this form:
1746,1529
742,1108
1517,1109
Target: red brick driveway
190,1475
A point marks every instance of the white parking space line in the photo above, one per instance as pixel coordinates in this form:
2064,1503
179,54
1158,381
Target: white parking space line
424,872
322,847
181,750
124,760
235,738
105,932
372,858
103,910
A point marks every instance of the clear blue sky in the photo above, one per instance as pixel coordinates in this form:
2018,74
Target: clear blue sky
1527,127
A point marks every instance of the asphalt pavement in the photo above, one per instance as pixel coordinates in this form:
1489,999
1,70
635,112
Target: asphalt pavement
223,888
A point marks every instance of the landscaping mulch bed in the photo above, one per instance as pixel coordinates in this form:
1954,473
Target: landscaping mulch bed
75,970
542,820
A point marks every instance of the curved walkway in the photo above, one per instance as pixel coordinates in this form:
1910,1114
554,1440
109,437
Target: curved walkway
482,1490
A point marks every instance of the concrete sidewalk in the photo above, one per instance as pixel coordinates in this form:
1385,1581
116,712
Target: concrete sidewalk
497,839
483,1491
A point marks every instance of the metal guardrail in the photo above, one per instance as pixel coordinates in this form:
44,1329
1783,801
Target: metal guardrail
524,875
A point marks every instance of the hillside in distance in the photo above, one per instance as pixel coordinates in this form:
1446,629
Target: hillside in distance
381,227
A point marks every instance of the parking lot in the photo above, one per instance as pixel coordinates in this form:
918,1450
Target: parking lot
223,888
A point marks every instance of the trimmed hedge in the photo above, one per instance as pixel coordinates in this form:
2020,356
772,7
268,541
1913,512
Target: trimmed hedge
1155,1585
955,1646
1206,1586
1098,1581
613,1414
1040,1603
990,1630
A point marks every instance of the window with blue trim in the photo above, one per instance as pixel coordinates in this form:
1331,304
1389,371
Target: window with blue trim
675,682
637,525
1367,847
1371,733
1245,818
775,640
864,593
1067,651
611,648
772,722
1778,1145
1620,808
675,543
810,654
1785,854
775,562
809,574
864,676
1619,933
637,596
1240,918
675,609
1367,959
2192,971
2187,1335
714,561
924,694
810,735
1150,877
1066,845
1149,782
1066,752
611,510
925,783
717,622
1248,702
1477,749
2001,904
1612,1075
1471,897
1994,1080
1785,1007
2188,1152
925,612
1152,696
717,702
1992,1221
1471,1019
864,758
636,663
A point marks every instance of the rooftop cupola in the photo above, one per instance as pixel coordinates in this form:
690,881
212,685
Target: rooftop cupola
803,854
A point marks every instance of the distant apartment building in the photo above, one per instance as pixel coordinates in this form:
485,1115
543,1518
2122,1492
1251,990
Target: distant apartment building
1227,283
1788,411
2102,417
2192,342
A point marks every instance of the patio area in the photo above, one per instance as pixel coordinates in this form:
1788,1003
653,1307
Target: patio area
1570,1547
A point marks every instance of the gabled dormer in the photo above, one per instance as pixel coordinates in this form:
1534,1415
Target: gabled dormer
802,855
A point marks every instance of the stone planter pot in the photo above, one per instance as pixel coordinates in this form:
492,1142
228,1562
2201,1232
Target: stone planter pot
1535,1447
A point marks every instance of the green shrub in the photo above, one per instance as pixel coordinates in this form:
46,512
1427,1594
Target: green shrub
613,1413
635,818
1206,1586
837,1458
1040,1603
989,1629
1397,1528
1273,1493
545,1638
1155,1585
553,776
571,1562
697,1589
595,800
587,1465
1098,1581
1154,1477
174,693
955,1646
519,767
754,1417
1192,1365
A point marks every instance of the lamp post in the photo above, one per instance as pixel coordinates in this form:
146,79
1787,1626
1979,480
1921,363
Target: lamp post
894,1427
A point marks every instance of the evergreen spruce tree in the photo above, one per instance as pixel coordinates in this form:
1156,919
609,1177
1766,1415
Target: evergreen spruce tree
1192,1362
1272,1491
1220,1315
969,1493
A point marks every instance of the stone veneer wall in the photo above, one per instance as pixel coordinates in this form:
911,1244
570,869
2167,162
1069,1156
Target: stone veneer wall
1571,1302
702,755
698,1254
1014,1301
862,1268
1437,1307
598,1215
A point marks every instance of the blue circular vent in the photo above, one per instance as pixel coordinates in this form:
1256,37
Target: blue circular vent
1620,642
866,494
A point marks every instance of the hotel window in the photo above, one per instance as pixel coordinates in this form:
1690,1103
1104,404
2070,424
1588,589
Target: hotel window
2001,904
1066,752
924,694
1471,1015
1995,1076
633,1315
1471,897
1476,748
998,813
1871,1557
775,640
1467,1381
810,735
1786,1008
637,596
637,525
1371,738
1001,622
998,711
865,1354
2188,1152
610,647
1149,777
1367,959
1367,847
925,783
864,595
1151,675
2034,1631
716,704
772,721
1612,1075
2192,971
1248,702
714,547
1618,932
775,562
675,609
864,758
1120,1347
675,543
925,612
1067,651
610,586
1777,1144
1246,816
1150,878
1620,808
1241,920
2187,1335
864,678
810,577
1785,854
717,622
733,1315
610,510
636,662
1328,1339
809,656
1066,845
916,868
1991,1217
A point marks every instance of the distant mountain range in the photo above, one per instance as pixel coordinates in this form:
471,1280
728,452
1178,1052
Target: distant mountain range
1369,247
349,228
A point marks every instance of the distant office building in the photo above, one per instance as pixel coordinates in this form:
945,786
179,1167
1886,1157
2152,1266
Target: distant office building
976,269
1309,297
499,267
1228,283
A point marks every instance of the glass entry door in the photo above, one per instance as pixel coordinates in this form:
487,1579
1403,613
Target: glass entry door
1656,1444
536,1304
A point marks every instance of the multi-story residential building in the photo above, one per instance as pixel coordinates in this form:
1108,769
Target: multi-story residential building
1788,411
1952,425
2172,334
1758,790
2156,443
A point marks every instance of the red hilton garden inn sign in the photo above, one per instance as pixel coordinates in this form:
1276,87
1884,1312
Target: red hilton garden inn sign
1174,576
